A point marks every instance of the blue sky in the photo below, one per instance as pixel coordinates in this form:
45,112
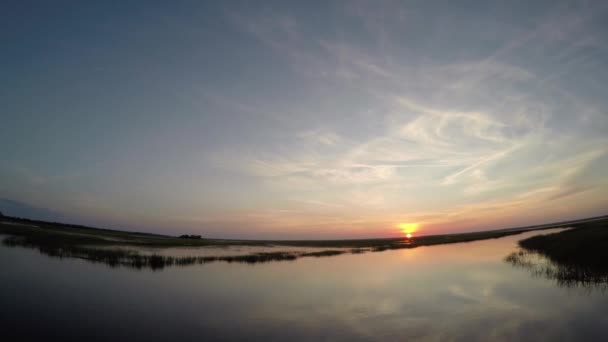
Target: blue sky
305,119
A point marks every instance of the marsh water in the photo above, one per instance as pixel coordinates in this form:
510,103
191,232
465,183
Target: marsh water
460,292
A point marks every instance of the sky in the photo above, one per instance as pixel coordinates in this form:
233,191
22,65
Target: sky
304,119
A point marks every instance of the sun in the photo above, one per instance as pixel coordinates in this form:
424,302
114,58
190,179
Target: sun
408,229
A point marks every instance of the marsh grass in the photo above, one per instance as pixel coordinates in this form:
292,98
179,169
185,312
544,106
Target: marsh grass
573,258
134,259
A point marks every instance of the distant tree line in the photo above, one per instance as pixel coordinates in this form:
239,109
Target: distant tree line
42,224
193,237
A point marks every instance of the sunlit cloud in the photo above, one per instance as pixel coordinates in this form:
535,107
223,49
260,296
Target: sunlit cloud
368,115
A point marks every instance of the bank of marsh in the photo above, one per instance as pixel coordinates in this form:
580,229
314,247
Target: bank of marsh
121,248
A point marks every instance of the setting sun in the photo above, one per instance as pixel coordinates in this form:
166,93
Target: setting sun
408,228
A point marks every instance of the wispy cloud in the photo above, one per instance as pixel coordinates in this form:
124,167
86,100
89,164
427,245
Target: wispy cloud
482,131
341,120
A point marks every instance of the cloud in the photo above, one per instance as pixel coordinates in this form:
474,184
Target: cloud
362,115
321,136
386,117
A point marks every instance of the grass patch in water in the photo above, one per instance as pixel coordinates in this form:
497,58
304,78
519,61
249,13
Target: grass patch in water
574,257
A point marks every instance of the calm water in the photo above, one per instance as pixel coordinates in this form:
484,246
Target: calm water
460,292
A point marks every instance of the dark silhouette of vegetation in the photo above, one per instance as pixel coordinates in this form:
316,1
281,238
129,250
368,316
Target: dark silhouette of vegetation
193,237
574,257
133,258
1,215
323,253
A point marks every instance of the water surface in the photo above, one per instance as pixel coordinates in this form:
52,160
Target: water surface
457,292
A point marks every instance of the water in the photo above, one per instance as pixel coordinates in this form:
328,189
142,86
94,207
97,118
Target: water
458,292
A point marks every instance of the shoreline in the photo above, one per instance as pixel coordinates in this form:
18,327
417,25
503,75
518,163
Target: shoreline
119,248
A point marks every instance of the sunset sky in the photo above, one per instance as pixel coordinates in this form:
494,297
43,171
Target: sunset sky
304,119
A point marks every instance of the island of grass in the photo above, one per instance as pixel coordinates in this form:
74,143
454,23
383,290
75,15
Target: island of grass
586,246
108,246
575,256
